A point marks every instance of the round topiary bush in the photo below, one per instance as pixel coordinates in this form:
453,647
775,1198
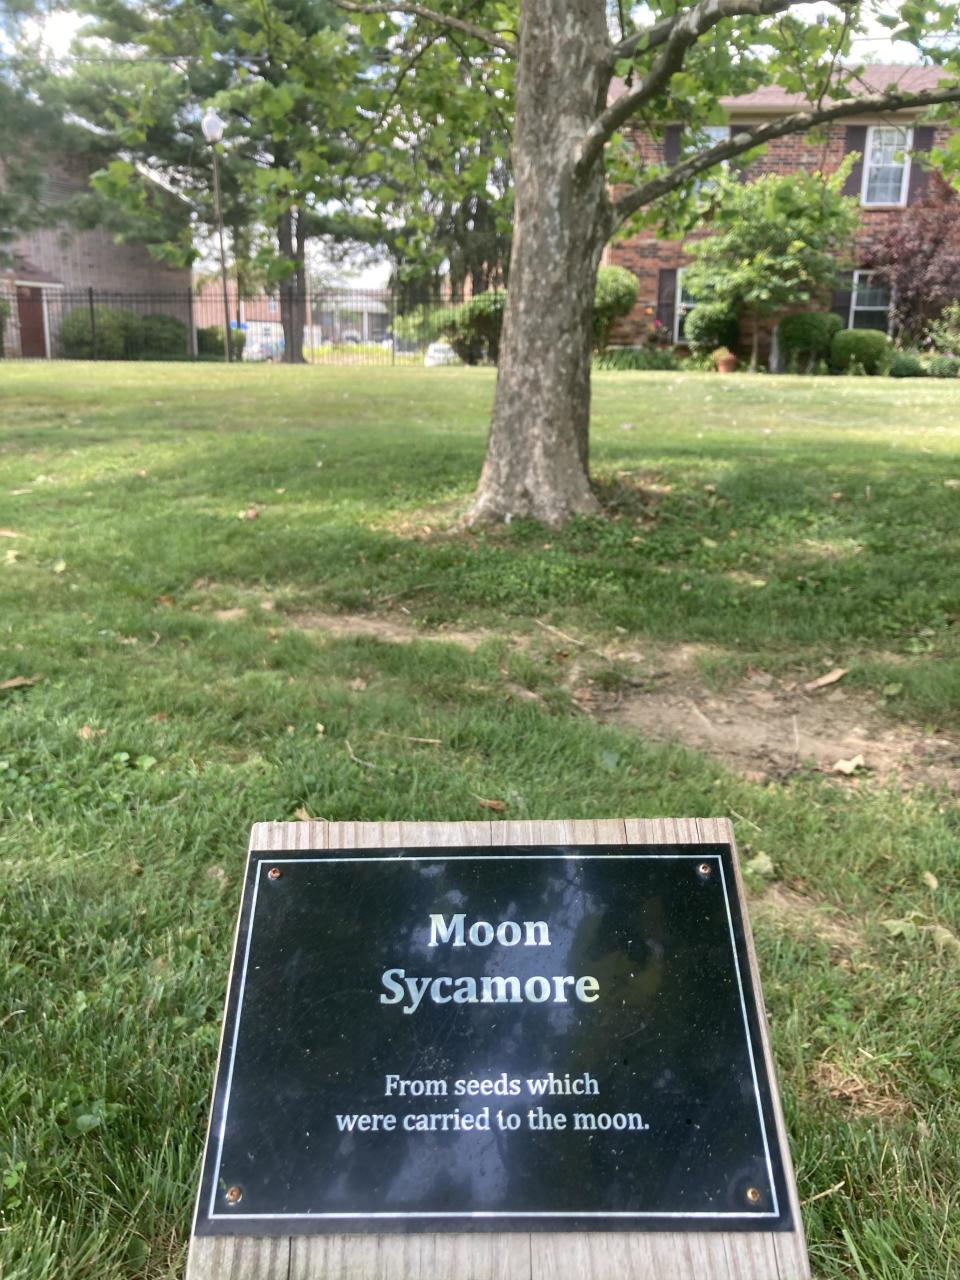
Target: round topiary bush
907,364
710,325
615,296
868,348
163,336
473,328
110,334
806,336
943,366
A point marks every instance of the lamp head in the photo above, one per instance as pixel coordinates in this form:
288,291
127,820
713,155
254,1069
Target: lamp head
212,125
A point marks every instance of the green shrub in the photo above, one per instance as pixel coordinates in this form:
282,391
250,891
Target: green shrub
112,334
906,364
473,328
615,295
806,336
637,359
868,348
944,332
710,325
210,342
420,325
943,366
163,336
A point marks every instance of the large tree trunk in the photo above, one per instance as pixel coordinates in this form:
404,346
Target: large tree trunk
536,463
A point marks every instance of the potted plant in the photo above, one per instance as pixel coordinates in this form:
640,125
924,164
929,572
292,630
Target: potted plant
725,360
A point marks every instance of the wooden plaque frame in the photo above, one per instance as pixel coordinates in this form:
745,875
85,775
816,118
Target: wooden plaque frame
594,1255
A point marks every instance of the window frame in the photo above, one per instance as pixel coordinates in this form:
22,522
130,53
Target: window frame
853,308
904,175
678,313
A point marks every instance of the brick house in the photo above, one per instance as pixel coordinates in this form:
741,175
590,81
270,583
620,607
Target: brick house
887,179
54,267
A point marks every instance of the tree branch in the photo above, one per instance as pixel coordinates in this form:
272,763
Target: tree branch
653,37
430,15
746,139
679,33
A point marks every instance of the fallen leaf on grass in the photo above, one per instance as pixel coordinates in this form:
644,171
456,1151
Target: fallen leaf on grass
849,767
12,557
930,880
18,493
830,678
359,684
217,874
88,732
761,865
166,601
944,938
19,682
496,805
251,513
10,533
950,484
60,566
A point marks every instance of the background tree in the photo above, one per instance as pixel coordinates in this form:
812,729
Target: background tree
774,243
285,77
919,260
673,65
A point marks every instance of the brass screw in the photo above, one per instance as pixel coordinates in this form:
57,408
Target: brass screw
704,868
234,1195
274,873
753,1195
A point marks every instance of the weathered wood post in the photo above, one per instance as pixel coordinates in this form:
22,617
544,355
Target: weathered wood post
496,1051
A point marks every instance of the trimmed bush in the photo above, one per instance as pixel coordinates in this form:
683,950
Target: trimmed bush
615,295
637,359
473,328
867,348
943,366
806,337
163,336
112,335
210,342
710,325
906,364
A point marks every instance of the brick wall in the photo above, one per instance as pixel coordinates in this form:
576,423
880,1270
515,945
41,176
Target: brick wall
80,259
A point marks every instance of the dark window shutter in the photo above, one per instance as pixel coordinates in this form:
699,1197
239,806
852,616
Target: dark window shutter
856,140
841,298
671,144
919,175
667,298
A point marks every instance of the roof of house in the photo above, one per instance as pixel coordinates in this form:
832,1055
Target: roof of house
875,78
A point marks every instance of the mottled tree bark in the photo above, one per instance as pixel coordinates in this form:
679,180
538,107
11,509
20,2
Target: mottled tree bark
537,453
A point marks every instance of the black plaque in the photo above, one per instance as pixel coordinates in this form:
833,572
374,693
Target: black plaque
608,1074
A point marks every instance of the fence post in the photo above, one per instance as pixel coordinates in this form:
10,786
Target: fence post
393,325
191,328
93,322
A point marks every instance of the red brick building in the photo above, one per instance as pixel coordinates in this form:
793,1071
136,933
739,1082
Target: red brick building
887,178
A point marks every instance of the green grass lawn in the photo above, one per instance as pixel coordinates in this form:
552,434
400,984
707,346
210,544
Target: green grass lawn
784,525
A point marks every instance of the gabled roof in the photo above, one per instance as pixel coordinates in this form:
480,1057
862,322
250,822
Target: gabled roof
877,77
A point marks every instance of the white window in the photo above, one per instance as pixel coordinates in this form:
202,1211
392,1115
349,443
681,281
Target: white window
685,304
886,165
869,303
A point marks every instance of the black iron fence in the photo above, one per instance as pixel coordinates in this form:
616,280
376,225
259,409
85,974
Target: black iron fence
321,326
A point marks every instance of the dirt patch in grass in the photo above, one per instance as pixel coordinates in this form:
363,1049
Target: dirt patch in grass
864,1096
389,629
768,729
785,909
762,727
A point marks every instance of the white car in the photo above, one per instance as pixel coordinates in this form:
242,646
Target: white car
438,354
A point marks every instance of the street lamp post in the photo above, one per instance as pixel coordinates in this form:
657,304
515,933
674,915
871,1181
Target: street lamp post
213,127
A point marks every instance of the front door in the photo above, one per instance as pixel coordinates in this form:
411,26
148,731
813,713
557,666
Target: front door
33,337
